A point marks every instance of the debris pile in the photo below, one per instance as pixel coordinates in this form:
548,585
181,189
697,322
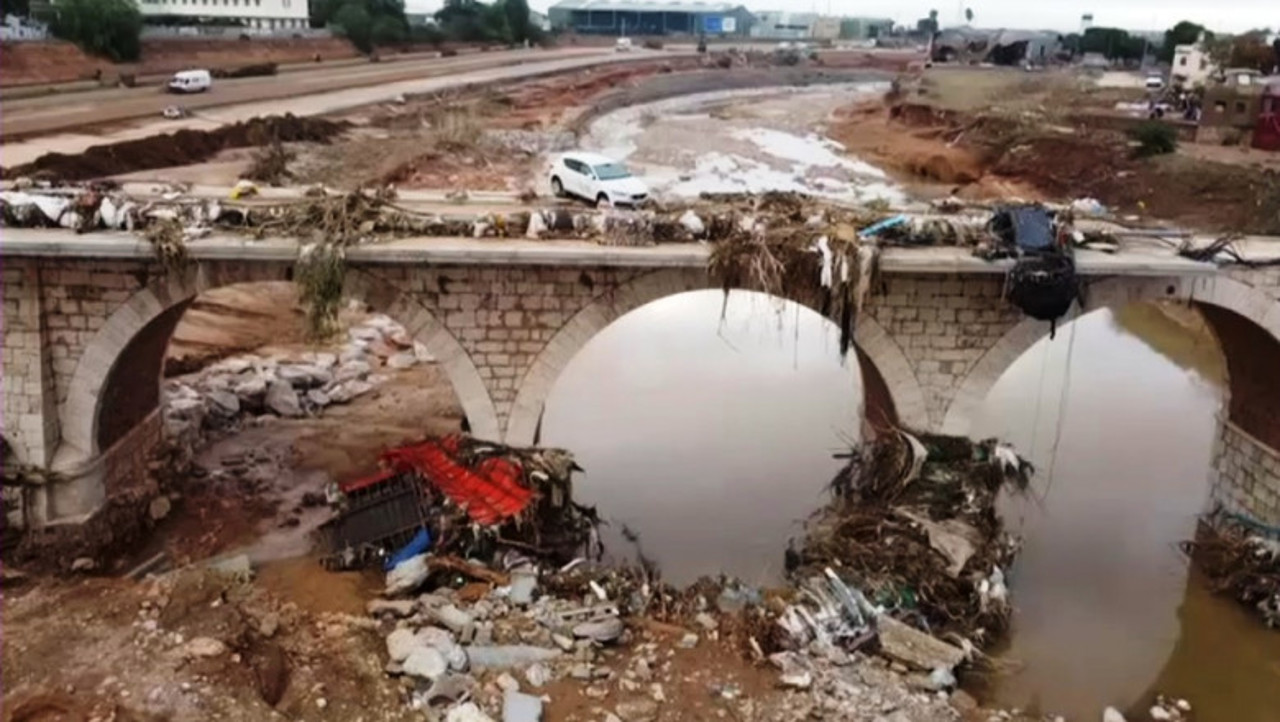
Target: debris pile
913,531
183,147
1239,561
461,497
227,392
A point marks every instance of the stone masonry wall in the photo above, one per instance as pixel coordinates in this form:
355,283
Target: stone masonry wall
1246,476
30,421
944,324
504,316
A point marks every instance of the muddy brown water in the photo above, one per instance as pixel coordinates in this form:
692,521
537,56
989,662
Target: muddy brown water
711,439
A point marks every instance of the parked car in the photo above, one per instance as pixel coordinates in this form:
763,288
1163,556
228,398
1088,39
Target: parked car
190,81
1154,82
623,45
598,179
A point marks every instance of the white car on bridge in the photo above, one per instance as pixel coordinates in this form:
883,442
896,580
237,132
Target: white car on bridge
598,179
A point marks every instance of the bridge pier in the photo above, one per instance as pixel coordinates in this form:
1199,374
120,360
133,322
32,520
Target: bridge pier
1245,476
27,369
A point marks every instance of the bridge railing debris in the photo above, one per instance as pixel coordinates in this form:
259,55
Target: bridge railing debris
821,253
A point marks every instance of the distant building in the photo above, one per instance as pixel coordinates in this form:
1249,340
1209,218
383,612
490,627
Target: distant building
624,17
1192,65
1231,108
1001,47
825,28
539,21
865,28
18,28
782,25
262,14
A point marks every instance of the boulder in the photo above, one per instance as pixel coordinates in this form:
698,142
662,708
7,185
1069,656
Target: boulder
349,370
519,707
401,643
640,710
204,647
184,408
348,390
234,365
453,618
511,655
283,400
394,607
402,360
468,712
425,662
251,390
225,403
604,630
318,398
159,507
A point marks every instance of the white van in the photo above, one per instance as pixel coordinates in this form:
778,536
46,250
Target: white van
190,81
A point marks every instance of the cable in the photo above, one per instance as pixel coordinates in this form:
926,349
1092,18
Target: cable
1035,420
1062,408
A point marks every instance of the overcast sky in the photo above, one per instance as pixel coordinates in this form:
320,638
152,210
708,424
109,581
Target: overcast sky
1223,15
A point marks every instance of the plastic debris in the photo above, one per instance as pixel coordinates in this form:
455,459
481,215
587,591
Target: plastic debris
420,543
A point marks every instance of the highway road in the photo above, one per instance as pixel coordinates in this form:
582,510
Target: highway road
370,87
49,114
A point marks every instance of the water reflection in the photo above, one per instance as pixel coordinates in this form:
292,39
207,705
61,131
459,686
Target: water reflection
1122,436
712,438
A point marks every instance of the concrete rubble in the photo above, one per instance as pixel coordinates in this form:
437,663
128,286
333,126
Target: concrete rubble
241,388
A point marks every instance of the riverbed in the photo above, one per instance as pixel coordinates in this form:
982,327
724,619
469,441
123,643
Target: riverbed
707,429
743,141
711,435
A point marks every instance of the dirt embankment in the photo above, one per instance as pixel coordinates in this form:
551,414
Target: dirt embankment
183,147
56,61
986,155
51,62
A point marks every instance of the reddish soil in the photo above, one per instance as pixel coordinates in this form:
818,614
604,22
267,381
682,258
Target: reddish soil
45,63
56,61
981,156
165,55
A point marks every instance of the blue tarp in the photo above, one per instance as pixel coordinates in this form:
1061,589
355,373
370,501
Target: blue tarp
417,545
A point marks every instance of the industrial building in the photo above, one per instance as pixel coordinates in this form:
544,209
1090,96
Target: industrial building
624,17
260,14
783,25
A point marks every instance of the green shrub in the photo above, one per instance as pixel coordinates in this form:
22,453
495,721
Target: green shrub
1154,138
108,28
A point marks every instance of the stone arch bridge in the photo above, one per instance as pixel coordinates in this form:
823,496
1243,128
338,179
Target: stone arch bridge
87,320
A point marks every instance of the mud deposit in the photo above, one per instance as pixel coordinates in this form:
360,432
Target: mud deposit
183,147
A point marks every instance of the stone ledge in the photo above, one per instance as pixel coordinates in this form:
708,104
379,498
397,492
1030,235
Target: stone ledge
22,242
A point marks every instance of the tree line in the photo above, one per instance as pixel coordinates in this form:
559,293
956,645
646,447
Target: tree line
112,28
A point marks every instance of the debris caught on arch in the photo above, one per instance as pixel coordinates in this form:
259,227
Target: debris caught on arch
1241,558
912,524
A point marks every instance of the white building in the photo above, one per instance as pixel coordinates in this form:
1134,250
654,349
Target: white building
261,14
16,28
1191,65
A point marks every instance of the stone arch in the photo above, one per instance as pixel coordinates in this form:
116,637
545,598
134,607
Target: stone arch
1218,291
872,341
159,305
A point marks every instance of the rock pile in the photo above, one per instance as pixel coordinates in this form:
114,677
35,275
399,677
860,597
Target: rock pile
288,386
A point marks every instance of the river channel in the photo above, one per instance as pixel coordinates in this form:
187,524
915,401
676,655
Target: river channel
711,438
708,429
